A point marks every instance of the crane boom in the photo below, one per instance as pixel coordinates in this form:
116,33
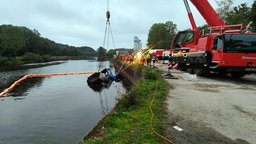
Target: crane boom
190,15
208,13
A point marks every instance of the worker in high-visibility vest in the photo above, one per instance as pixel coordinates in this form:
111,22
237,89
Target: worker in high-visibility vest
148,58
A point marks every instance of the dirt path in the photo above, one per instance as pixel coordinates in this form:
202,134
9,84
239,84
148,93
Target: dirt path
213,110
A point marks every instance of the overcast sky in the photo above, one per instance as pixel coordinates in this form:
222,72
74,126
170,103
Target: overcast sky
82,22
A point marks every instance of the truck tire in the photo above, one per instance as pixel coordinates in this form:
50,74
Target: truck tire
191,64
199,70
237,74
191,70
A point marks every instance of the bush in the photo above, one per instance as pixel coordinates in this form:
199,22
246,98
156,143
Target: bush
3,60
31,58
46,58
131,99
17,61
151,75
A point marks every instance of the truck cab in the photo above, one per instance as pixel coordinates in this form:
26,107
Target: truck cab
235,53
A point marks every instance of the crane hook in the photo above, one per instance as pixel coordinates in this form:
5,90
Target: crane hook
108,15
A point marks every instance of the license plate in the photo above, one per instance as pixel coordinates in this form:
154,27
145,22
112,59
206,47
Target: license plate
250,69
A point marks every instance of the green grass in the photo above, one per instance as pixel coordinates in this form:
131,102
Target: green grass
129,122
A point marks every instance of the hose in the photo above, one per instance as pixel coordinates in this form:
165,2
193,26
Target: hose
152,113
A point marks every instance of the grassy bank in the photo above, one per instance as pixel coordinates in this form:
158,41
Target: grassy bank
130,121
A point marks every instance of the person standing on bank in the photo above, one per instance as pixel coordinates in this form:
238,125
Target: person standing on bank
148,58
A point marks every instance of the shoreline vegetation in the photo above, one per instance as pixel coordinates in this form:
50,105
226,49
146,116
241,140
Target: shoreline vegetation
29,65
20,45
130,120
35,64
29,58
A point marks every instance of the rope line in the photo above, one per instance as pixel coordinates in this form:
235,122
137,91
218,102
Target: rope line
108,32
108,5
7,90
112,36
151,123
104,41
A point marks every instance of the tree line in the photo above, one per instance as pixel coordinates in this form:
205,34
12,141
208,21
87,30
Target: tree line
241,14
20,45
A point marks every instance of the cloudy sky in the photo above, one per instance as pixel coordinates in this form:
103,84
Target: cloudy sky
82,22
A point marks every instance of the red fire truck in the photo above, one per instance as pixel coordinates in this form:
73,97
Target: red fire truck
227,49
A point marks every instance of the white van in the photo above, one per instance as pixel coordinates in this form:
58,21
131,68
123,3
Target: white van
166,56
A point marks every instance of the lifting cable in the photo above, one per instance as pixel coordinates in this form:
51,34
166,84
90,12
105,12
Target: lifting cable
152,113
39,75
108,32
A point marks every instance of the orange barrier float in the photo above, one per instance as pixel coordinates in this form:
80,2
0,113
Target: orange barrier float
39,75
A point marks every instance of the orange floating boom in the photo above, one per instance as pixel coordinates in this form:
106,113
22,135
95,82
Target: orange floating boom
39,75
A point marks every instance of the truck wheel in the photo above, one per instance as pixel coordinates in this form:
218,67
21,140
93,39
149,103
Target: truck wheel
182,65
191,63
237,74
191,71
199,72
199,69
222,72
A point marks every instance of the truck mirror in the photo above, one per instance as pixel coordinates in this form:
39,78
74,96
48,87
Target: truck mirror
217,43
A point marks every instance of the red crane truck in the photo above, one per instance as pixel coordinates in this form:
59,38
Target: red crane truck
227,49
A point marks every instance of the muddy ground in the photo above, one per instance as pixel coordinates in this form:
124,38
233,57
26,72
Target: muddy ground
210,110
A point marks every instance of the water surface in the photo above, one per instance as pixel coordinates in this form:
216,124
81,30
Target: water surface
60,109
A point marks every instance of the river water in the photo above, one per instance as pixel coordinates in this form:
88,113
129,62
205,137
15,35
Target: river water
60,109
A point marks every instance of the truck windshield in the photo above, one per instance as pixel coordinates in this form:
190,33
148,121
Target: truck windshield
179,38
240,43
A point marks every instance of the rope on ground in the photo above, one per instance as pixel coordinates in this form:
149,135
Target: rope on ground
7,90
151,123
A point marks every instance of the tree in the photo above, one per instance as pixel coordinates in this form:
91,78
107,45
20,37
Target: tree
162,32
224,8
20,44
239,15
204,29
252,16
12,40
36,32
102,53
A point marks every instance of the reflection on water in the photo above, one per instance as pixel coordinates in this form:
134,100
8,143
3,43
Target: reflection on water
59,109
98,87
20,91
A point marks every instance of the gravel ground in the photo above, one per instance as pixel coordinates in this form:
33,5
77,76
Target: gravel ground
210,110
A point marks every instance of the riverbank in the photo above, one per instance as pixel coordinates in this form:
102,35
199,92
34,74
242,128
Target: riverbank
31,58
136,115
30,65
